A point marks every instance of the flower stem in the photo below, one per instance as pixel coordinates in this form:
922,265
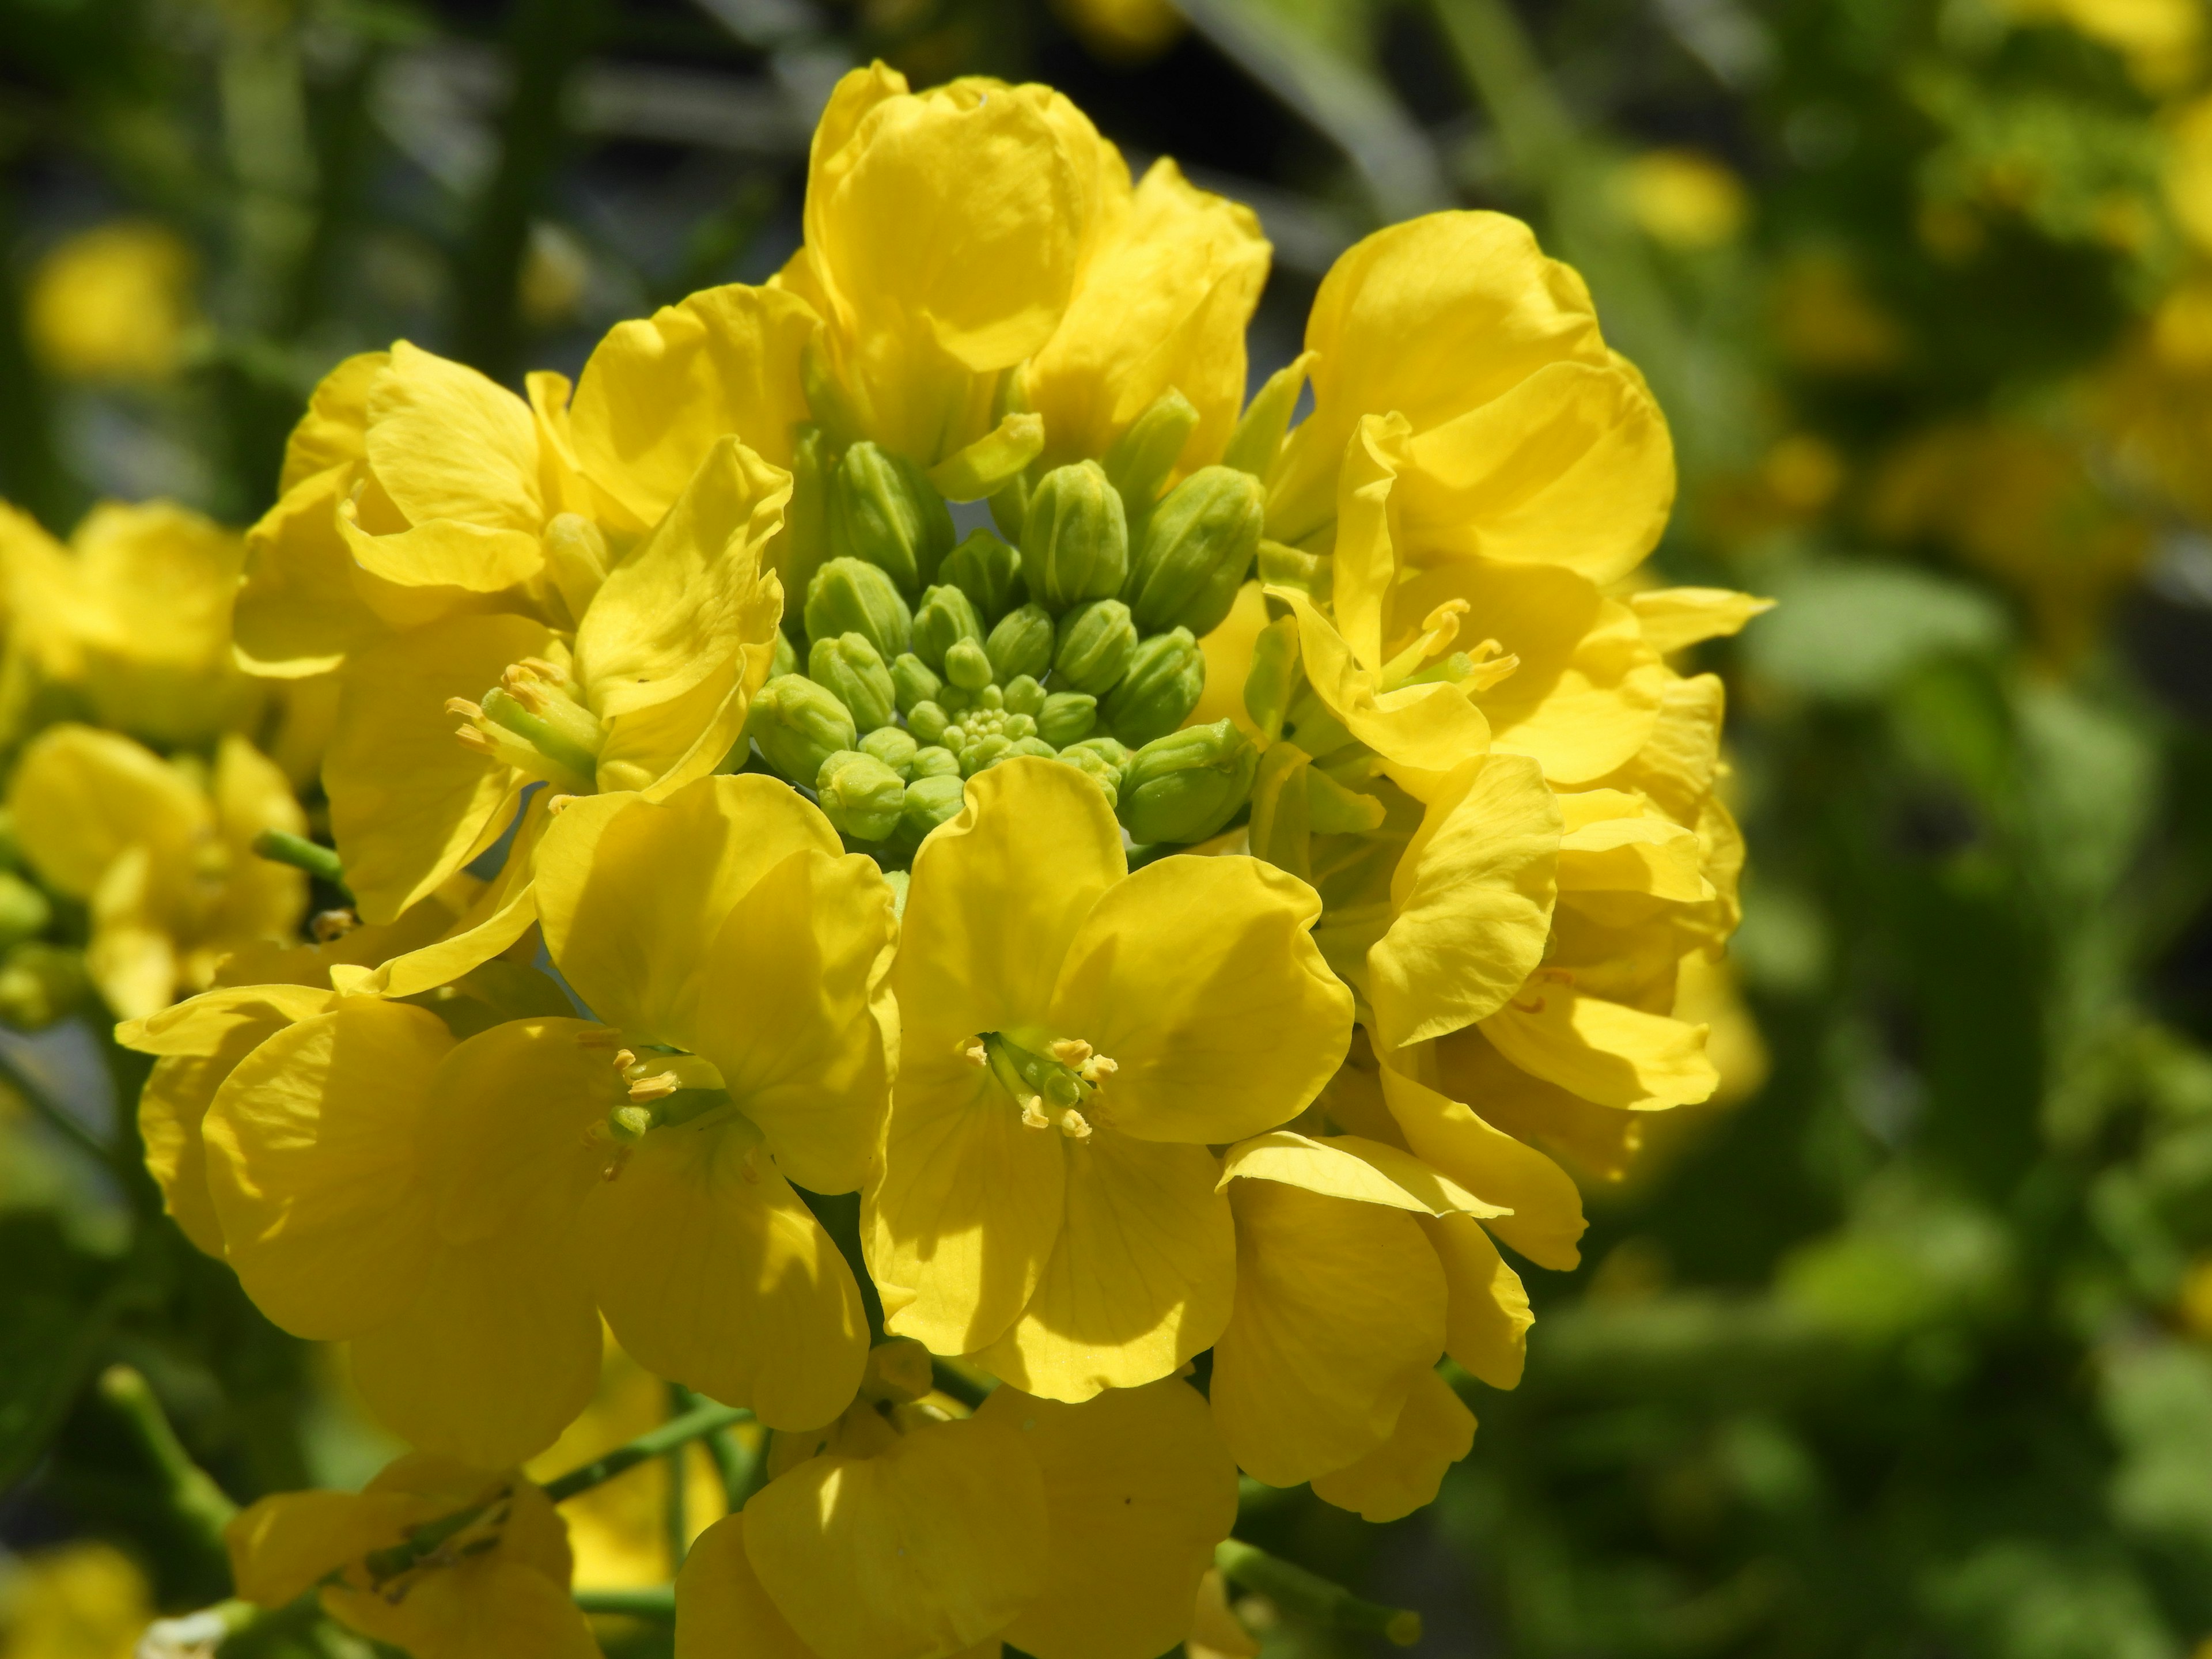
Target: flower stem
653,1443
1309,1596
658,1603
281,847
192,1492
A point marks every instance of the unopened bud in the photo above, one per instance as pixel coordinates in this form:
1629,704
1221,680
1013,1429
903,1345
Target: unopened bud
798,725
1273,679
1018,725
1166,678
1112,755
1030,745
1021,644
986,569
1093,645
1142,457
1075,539
1184,787
898,1370
912,683
1093,766
945,615
1067,716
24,911
786,660
967,665
40,983
975,756
860,795
930,801
933,761
802,546
882,510
849,666
895,747
1023,694
927,721
1198,545
850,596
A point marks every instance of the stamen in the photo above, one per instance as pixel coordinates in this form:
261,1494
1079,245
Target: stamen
1033,1114
1097,1069
557,805
464,708
1074,1125
597,1036
1534,1005
658,1086
624,1058
975,1053
1071,1051
472,738
332,925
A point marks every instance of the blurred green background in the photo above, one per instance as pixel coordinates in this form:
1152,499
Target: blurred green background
1904,1346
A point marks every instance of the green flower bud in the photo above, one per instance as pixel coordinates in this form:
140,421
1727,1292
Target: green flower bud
1021,644
1075,540
988,571
1198,545
894,746
1095,768
850,596
991,697
934,761
1184,787
849,666
860,795
24,911
1142,457
1095,643
1032,745
927,722
912,683
786,660
1275,677
930,801
944,616
1111,755
883,510
1163,685
798,725
802,546
1018,726
980,754
1067,716
1023,694
41,983
967,665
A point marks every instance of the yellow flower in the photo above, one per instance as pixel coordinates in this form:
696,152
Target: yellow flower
1123,30
1071,1532
1074,1039
77,1601
497,1588
112,303
1684,198
162,852
134,615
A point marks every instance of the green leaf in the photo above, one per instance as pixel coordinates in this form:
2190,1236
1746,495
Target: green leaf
1847,633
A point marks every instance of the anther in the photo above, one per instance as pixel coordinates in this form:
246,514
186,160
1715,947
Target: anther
1071,1051
1097,1069
624,1058
1033,1116
658,1086
1074,1125
1534,1005
472,738
975,1053
330,924
558,805
596,1036
464,708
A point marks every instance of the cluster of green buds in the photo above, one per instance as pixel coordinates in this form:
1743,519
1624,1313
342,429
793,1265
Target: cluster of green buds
40,980
910,662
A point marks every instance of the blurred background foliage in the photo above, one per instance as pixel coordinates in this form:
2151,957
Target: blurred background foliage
1904,1347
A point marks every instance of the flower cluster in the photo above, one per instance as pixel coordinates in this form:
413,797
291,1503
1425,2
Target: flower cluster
1199,915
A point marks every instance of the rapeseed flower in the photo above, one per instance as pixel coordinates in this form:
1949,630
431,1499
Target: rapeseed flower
113,303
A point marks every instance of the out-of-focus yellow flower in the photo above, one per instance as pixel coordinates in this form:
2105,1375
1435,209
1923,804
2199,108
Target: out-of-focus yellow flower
556,271
113,303
1123,30
134,615
2162,40
76,1602
1684,198
1825,321
2188,171
2195,1303
1074,1038
162,852
495,1588
1071,1532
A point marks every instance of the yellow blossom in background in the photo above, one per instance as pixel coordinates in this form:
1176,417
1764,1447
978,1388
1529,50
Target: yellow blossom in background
1684,198
83,1600
162,852
1825,321
113,303
2161,41
495,1587
1123,30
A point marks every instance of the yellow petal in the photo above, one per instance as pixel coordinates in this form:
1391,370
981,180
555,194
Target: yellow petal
1616,843
1162,305
1428,727
713,1274
721,1608
280,1546
200,1043
81,797
658,749
1340,1306
313,1166
1546,1210
1471,903
333,430
496,916
446,443
1677,763
262,899
1573,467
1434,1432
491,1608
1138,1491
658,392
298,611
978,471
690,595
633,894
1199,977
1487,1318
1355,1168
929,1548
962,1216
1675,618
1140,1280
998,894
1228,651
1216,1632
1605,1052
409,805
409,576
1598,1141
795,1010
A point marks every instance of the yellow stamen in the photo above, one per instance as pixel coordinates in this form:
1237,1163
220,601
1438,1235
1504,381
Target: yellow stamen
1096,1069
464,708
1033,1116
658,1086
974,1052
1071,1051
1074,1125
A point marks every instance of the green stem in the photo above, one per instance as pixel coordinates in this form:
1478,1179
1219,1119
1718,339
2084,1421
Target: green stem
674,1520
658,1604
653,1443
281,846
1309,1596
958,1383
740,1469
31,471
192,1492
